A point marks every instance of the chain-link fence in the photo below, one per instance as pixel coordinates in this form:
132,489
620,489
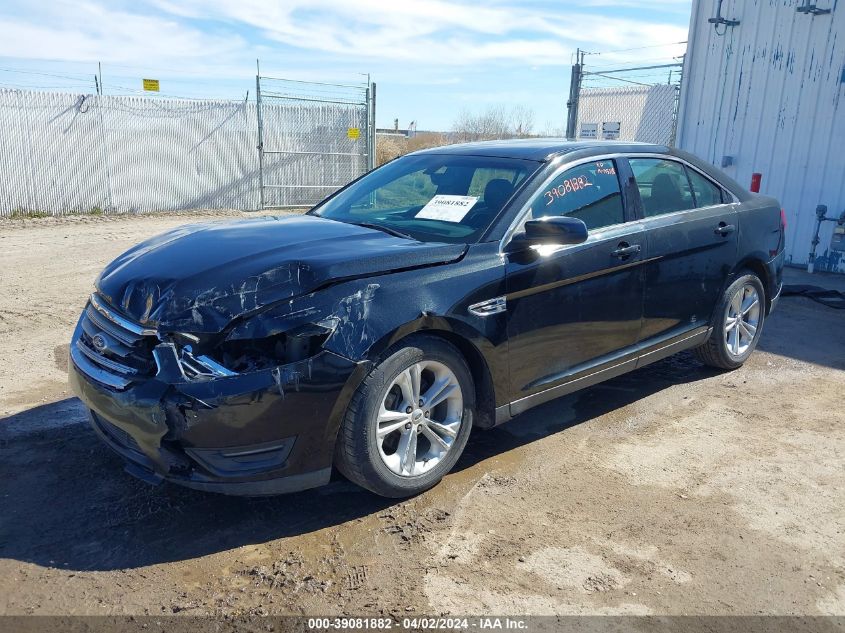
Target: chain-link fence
64,153
313,138
632,113
623,105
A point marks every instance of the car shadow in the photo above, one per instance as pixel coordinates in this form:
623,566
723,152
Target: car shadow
807,331
582,406
68,504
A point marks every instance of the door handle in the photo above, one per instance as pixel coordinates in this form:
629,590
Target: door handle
725,229
624,250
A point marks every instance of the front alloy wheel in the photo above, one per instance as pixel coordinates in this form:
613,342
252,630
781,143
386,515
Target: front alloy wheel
419,418
409,420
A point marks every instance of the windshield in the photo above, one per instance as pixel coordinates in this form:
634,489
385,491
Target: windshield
431,197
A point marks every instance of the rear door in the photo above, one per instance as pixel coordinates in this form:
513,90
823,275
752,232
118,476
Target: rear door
572,308
690,226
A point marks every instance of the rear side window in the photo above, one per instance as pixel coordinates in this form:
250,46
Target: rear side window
663,184
706,193
589,192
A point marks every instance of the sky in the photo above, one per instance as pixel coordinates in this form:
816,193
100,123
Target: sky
431,59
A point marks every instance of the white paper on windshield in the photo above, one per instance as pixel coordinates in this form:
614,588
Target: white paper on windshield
447,208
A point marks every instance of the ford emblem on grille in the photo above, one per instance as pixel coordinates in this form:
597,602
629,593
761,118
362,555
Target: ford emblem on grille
99,342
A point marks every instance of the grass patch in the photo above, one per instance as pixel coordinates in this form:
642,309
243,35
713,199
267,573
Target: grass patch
29,214
24,214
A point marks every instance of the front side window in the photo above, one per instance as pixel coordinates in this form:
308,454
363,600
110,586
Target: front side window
706,193
431,197
663,185
589,192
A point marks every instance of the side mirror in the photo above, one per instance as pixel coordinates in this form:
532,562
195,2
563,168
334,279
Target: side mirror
557,230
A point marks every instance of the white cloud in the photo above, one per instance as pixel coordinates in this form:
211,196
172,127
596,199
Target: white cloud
322,35
436,32
90,31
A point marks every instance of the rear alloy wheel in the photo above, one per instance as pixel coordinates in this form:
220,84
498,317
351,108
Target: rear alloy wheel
742,320
409,421
738,324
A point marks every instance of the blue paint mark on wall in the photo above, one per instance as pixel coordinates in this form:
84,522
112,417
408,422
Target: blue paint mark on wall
777,56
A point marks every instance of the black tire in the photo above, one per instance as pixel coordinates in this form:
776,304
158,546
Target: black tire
715,352
357,454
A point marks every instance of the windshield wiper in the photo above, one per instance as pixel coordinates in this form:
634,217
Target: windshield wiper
385,229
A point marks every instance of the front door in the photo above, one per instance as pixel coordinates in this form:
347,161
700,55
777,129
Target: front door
574,309
691,245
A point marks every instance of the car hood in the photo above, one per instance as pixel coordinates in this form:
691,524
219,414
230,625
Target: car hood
198,278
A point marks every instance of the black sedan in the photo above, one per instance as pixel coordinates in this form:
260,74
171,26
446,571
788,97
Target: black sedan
449,289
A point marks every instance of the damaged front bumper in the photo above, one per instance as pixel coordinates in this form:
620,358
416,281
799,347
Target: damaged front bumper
258,433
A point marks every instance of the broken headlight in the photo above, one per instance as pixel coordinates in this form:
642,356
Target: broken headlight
207,359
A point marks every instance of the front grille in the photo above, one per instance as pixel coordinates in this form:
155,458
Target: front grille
115,344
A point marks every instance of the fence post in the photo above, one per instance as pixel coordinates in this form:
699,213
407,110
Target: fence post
574,95
372,131
260,141
104,141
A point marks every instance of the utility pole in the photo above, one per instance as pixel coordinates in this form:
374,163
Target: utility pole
574,94
100,74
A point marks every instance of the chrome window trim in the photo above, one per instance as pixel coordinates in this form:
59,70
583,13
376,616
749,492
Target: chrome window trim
563,166
688,165
675,214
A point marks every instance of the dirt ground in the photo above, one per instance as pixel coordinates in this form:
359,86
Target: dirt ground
672,490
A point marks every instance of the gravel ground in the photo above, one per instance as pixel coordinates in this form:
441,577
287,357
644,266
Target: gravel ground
672,490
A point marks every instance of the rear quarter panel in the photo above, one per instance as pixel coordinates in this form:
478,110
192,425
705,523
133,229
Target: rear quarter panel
761,239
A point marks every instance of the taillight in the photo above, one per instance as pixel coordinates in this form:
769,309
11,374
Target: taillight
783,219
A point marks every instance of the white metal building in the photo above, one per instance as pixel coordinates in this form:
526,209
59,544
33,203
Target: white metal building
767,95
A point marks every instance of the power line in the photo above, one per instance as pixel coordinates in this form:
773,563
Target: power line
28,86
638,62
42,74
633,75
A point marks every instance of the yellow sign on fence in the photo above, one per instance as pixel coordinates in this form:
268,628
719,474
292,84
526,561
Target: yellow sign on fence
151,85
354,133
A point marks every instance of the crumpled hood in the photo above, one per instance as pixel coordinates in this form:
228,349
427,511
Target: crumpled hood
198,278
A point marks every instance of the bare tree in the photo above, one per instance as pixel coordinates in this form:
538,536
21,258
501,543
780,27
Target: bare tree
496,122
522,121
553,129
390,147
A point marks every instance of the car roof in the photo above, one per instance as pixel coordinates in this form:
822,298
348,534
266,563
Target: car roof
542,149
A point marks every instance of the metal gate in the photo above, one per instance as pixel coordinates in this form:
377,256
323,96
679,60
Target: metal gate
313,138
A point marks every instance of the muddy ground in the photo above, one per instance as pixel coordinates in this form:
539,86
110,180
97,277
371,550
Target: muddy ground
673,490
